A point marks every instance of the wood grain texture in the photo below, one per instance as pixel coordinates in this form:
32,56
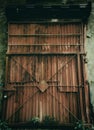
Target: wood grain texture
59,76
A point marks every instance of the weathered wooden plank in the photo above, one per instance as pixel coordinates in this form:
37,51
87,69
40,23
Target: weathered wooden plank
80,89
42,31
54,68
46,52
86,90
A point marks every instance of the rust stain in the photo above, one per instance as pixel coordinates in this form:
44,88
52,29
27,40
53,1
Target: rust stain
46,82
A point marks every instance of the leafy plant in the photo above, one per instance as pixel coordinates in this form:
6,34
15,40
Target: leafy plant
4,125
50,121
80,125
35,120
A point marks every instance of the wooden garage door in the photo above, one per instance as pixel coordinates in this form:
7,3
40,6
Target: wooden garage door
43,86
44,75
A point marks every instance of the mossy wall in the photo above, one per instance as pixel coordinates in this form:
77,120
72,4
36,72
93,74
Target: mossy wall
3,46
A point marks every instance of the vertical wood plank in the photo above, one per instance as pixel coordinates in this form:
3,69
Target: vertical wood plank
80,88
50,68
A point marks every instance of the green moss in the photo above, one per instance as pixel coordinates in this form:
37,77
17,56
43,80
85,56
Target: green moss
3,43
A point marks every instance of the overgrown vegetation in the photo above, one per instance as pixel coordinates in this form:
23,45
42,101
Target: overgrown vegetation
4,126
3,44
47,120
50,121
80,125
34,120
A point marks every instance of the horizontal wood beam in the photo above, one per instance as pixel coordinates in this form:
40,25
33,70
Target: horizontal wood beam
64,126
50,35
49,44
46,53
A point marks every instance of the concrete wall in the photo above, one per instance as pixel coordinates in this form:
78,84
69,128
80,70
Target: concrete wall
90,52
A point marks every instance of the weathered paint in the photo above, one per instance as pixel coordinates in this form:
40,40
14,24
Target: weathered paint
49,37
89,54
45,73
